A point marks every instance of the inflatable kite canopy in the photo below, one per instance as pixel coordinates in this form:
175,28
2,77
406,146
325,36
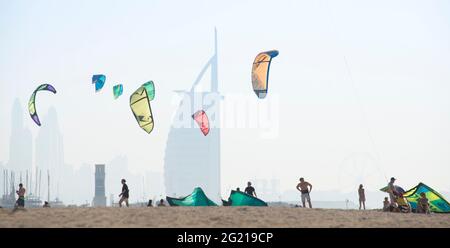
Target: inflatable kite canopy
196,198
239,198
140,106
260,72
117,90
99,81
202,121
32,101
437,202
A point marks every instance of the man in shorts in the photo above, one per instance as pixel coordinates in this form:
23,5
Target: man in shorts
305,188
20,203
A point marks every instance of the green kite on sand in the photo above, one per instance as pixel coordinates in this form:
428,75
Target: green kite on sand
195,199
238,198
437,202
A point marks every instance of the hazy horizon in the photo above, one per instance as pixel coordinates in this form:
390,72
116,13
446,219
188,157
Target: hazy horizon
356,83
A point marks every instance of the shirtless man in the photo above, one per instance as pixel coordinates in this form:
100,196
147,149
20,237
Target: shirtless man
21,193
303,188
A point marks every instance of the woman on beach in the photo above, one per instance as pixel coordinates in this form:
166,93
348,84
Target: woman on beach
362,197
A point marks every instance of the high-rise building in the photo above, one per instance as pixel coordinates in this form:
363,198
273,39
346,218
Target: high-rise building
20,142
50,149
100,197
192,159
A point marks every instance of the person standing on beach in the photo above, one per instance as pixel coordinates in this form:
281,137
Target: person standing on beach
392,191
125,194
250,190
303,188
20,203
386,205
161,203
362,197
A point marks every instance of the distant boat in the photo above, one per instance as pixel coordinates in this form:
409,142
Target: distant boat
56,203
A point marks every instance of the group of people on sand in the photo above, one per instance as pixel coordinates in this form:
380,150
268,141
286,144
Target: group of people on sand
398,203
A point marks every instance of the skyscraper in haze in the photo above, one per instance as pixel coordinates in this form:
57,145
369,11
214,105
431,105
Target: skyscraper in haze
192,159
20,141
49,146
100,197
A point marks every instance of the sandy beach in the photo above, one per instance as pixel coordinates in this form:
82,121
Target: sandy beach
215,217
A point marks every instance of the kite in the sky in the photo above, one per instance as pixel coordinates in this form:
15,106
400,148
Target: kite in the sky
99,81
117,90
140,105
260,72
202,121
32,104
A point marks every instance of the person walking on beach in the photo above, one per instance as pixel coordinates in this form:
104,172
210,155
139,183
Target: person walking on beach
20,203
303,188
362,197
250,190
125,194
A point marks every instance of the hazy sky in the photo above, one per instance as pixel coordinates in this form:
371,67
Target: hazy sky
347,71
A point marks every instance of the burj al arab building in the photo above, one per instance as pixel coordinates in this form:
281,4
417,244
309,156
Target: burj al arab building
191,158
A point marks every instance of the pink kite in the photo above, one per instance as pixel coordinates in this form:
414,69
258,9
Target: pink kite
202,120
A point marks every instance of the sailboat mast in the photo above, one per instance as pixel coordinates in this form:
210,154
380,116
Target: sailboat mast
48,181
40,180
35,188
26,179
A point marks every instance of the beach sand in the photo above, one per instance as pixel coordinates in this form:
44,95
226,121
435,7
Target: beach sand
215,217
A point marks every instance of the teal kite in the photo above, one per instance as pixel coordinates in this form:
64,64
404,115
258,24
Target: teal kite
239,198
196,198
99,81
117,90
